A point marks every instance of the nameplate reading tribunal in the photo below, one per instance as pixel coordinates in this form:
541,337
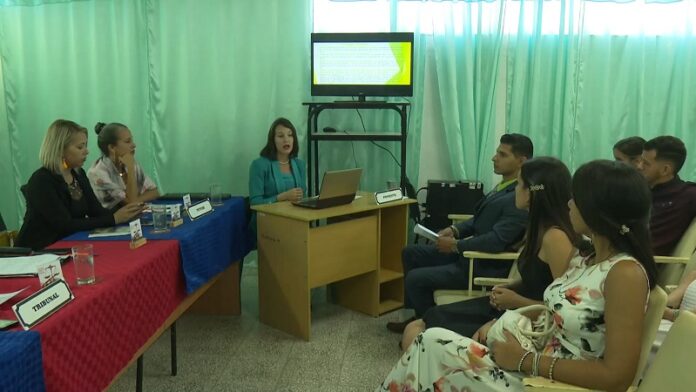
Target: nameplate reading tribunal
40,305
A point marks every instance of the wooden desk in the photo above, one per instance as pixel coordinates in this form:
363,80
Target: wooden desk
355,247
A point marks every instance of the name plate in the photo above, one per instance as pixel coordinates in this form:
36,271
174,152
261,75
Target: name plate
42,304
387,196
199,209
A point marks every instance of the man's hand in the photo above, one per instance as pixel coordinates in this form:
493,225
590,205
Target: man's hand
447,245
446,232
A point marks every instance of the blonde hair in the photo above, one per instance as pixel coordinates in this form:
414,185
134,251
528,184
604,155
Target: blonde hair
56,140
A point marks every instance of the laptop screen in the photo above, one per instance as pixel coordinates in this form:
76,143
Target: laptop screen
340,183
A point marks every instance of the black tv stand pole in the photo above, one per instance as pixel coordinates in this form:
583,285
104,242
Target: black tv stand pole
314,135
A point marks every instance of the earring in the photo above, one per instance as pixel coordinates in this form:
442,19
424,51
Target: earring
65,164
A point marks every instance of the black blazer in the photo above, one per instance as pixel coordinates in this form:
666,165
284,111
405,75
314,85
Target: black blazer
497,224
49,217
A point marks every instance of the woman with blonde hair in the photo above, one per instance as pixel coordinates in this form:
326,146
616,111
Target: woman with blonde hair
60,200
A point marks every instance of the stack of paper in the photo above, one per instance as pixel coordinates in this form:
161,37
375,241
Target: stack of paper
425,232
26,265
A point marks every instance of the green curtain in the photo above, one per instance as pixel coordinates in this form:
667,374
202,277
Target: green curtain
578,92
464,41
197,82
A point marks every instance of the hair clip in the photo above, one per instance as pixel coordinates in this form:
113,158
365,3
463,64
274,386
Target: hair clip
624,229
535,188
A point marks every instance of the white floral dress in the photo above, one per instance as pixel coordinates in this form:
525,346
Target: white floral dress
108,185
442,360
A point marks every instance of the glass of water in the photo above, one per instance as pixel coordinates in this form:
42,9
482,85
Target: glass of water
216,194
160,218
83,258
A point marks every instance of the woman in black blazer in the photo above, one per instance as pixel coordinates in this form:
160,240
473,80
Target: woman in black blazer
60,200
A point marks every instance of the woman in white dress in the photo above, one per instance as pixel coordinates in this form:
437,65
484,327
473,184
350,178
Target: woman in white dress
598,305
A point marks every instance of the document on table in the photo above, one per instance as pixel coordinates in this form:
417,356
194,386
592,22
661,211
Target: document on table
5,296
425,232
25,265
110,231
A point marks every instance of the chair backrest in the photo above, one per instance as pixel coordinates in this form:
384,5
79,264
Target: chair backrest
653,315
672,273
673,369
7,238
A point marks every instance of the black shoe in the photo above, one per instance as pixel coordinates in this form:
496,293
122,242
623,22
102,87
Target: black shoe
399,326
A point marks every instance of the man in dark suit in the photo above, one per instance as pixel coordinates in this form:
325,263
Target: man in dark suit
496,226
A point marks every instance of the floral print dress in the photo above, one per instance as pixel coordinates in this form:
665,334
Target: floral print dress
442,360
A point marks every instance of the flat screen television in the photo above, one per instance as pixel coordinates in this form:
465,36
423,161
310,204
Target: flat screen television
362,64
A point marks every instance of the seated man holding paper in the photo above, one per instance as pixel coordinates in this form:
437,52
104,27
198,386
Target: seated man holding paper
496,226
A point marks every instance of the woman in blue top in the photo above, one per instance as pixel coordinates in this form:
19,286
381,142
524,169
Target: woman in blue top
278,175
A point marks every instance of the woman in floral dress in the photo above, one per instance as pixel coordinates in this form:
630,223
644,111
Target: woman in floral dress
598,305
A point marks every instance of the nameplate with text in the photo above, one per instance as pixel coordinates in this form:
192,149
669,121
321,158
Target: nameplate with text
387,196
43,303
199,209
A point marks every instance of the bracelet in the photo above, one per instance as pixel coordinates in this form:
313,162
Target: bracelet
455,231
553,363
519,365
535,364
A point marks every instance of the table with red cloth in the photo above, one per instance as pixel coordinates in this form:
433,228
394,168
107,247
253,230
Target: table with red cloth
208,245
90,340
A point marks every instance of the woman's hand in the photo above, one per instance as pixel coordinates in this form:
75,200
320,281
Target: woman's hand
482,334
507,354
293,194
502,298
128,212
128,159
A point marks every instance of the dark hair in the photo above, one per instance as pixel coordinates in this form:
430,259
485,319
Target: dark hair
668,148
107,135
520,145
630,146
548,181
269,150
614,201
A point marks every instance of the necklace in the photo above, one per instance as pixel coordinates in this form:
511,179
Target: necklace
284,163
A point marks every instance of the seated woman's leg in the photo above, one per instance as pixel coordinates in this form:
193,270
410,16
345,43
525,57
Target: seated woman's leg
412,330
464,317
443,360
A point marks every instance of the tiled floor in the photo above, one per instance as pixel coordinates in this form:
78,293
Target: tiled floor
348,351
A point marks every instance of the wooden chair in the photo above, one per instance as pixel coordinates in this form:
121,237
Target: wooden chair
673,267
443,297
672,369
653,315
7,238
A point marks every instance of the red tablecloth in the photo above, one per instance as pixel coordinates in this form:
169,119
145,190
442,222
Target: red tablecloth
91,339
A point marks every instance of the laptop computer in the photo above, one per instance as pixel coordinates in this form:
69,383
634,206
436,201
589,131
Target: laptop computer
337,188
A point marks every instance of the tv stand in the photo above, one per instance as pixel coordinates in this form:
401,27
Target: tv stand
314,134
363,100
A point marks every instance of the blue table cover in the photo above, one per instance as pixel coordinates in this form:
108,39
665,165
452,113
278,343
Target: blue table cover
208,244
21,365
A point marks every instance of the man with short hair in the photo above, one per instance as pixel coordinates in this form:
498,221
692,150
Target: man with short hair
674,200
496,226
